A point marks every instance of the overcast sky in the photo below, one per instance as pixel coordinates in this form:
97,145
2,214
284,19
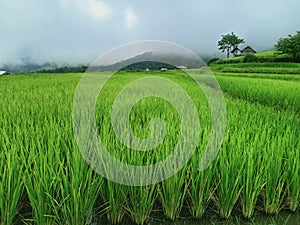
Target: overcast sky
75,31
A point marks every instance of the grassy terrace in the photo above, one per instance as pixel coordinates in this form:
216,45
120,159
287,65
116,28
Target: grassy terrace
262,68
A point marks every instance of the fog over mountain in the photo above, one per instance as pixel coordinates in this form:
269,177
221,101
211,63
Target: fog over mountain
79,31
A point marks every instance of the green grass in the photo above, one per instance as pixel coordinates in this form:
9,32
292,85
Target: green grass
200,188
265,57
257,168
274,93
272,54
291,77
256,67
11,185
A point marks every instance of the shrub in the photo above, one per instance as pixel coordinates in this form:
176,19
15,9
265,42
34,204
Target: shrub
212,61
250,58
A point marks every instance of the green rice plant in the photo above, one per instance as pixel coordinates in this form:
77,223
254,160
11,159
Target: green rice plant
262,91
172,193
11,184
253,176
293,167
114,196
288,77
274,165
41,183
140,202
293,182
230,173
79,190
44,169
257,67
257,166
140,199
200,187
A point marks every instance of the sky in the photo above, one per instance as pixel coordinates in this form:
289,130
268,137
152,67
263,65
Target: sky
79,31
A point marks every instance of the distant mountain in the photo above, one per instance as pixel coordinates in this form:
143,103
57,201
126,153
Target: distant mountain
152,61
143,61
45,68
27,68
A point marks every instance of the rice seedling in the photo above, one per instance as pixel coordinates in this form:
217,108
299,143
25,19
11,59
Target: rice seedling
229,175
114,196
287,77
263,68
274,192
42,182
43,175
293,170
172,193
262,91
11,185
140,202
79,190
200,187
252,177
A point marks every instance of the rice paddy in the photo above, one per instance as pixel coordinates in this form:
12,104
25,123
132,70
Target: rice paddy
45,180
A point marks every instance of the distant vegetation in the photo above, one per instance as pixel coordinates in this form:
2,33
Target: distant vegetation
290,45
286,50
44,68
229,42
139,66
264,57
151,61
256,67
140,62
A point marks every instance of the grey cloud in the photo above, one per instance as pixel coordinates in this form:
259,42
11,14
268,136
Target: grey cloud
59,31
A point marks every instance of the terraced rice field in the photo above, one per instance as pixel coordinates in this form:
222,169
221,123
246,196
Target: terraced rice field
45,180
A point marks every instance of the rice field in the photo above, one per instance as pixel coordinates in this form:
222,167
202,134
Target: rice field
45,180
256,67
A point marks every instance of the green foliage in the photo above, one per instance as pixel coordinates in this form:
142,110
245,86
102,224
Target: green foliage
11,183
290,77
229,42
250,58
272,54
290,45
140,203
257,166
114,196
212,61
200,187
65,69
262,91
263,57
172,193
258,67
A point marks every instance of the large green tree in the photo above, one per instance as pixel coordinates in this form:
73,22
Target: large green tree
229,42
290,45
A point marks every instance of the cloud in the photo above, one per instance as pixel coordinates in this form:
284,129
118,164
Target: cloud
78,31
130,18
96,9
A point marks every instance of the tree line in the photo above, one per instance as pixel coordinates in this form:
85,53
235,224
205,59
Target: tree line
288,45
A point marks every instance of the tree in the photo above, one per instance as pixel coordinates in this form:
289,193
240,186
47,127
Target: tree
290,45
229,42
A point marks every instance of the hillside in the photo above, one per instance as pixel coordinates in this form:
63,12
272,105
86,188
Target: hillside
258,67
269,62
152,61
263,57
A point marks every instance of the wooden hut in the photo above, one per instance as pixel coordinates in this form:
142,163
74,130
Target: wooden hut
248,51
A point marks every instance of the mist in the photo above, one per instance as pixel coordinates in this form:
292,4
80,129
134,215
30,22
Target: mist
79,31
